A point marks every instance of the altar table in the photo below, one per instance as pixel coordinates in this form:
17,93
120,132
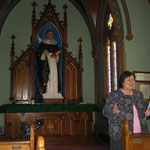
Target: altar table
64,123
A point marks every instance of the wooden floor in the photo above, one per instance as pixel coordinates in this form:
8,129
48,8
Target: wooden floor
80,147
77,145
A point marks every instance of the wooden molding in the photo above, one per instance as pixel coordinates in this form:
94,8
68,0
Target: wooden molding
129,36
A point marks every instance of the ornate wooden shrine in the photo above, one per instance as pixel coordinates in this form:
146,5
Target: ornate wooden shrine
65,125
23,68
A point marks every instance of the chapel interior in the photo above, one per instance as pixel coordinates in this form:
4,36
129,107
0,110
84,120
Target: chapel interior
97,41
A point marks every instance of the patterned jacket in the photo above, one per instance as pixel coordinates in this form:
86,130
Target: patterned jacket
125,105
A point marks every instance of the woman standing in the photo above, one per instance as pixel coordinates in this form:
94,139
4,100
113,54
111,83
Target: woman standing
125,103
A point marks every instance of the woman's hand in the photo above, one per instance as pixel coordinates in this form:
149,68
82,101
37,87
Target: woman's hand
147,113
116,110
45,52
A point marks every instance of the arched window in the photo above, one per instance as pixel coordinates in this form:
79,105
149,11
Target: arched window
111,49
112,56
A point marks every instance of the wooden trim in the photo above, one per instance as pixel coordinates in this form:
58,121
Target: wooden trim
129,35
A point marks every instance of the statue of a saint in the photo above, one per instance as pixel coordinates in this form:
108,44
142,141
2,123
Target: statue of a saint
48,57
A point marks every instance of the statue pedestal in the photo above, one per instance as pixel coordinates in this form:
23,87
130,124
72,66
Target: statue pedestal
53,101
53,98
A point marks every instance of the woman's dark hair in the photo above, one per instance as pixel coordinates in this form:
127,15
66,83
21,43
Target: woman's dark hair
122,77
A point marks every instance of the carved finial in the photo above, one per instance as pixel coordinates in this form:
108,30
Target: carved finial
65,13
80,40
13,45
80,47
13,37
34,4
65,7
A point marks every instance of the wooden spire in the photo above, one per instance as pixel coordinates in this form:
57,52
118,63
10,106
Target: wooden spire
80,53
33,21
65,26
12,52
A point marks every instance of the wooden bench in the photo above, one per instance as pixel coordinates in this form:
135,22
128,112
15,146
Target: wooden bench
24,145
133,142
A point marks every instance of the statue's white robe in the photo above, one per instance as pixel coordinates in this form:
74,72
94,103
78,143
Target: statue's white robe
52,85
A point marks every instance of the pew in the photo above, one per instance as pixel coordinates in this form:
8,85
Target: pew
133,142
24,145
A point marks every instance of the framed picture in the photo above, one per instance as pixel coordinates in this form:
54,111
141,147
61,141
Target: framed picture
144,87
142,76
143,83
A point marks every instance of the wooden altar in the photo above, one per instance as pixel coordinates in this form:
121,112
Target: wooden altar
63,123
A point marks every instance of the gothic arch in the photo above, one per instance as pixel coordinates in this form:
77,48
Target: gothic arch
117,34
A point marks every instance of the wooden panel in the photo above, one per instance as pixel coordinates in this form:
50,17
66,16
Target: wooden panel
22,77
18,83
74,82
14,146
57,125
21,145
72,79
133,142
25,81
22,81
71,82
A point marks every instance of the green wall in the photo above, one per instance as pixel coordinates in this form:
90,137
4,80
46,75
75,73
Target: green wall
137,50
18,22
